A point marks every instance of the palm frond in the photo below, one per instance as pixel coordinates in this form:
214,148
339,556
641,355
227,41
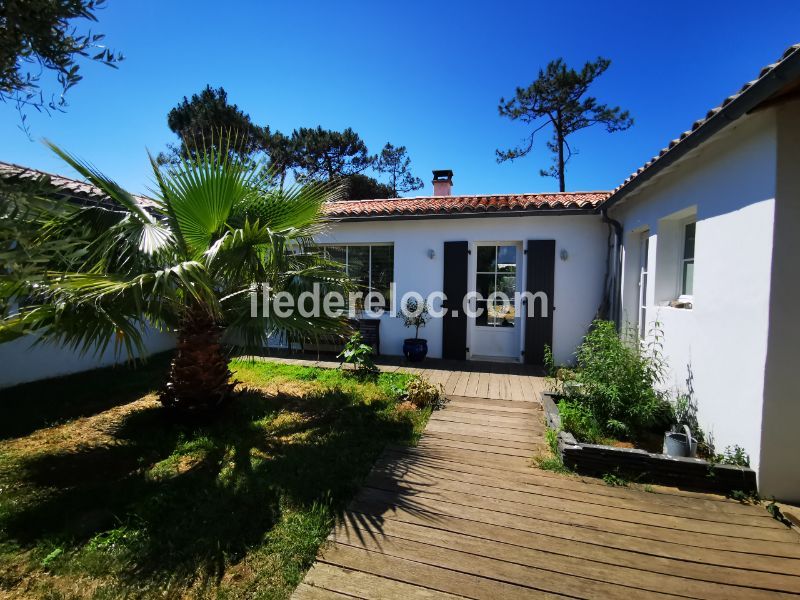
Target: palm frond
200,193
151,236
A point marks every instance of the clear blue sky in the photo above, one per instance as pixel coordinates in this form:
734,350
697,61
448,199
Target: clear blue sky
427,75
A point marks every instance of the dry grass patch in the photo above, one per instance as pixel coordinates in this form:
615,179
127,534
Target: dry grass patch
102,495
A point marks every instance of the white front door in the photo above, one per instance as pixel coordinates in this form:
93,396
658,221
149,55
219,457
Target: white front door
495,332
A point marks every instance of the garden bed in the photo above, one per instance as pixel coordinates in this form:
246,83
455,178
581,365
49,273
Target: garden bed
643,466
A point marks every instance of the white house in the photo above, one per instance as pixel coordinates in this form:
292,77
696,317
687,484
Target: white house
714,221
456,244
703,240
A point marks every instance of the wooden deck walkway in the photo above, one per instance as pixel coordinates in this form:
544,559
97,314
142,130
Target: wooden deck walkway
466,515
459,378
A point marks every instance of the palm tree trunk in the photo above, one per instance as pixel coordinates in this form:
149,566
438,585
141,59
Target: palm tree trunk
199,377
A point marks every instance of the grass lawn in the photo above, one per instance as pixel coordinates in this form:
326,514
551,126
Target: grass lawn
103,496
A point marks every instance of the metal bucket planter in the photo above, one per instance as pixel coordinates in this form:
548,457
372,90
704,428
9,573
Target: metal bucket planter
680,443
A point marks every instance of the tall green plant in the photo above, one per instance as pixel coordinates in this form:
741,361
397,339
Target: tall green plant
620,381
187,261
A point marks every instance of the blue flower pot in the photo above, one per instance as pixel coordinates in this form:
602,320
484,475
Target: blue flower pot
415,349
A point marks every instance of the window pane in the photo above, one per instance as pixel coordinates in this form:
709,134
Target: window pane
486,258
335,253
484,285
358,265
688,278
507,258
688,241
507,284
382,270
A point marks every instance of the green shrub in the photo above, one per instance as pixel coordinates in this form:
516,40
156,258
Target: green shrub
734,455
616,382
423,394
578,419
358,354
550,460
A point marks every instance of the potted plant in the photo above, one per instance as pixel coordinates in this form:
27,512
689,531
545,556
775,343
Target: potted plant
414,315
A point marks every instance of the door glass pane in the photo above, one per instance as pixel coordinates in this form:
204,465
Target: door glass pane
484,284
501,315
507,284
482,317
507,258
486,258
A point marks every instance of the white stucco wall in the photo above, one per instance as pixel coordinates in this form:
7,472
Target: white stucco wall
730,183
578,280
780,442
20,362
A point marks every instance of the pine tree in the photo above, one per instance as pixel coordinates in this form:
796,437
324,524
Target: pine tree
558,98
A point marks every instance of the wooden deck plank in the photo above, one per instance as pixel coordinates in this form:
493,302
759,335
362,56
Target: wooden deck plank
452,382
305,591
437,433
490,404
447,442
465,429
472,384
463,384
497,403
532,416
494,389
356,584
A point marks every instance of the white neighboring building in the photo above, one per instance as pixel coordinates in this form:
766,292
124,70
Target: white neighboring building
21,360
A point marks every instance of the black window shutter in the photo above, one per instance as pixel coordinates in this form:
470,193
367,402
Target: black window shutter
454,328
541,276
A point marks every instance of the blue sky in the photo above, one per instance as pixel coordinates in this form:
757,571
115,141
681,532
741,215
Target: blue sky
427,75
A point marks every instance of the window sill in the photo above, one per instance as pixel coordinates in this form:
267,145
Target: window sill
681,305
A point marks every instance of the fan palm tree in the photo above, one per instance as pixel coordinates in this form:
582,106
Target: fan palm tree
188,260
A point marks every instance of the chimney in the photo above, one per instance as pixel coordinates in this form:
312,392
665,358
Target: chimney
443,183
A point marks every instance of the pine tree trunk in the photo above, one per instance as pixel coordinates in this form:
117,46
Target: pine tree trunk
199,377
561,181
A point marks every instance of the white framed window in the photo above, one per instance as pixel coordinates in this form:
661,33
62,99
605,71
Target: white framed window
672,276
687,261
644,252
369,265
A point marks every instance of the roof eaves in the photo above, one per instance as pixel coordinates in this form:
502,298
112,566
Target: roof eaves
413,216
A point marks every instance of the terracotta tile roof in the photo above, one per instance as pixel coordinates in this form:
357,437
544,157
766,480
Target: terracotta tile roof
766,75
73,188
422,206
